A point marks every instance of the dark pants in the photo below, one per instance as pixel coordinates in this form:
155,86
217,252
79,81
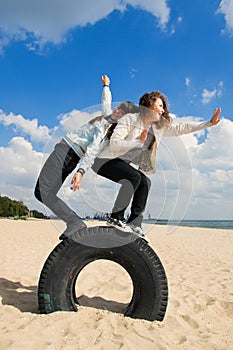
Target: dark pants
61,162
134,185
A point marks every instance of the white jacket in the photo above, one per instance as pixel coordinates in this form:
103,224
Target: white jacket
106,101
126,137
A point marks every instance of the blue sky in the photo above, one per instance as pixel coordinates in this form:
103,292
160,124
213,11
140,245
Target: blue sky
52,56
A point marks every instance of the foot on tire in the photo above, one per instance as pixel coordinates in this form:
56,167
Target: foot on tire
72,227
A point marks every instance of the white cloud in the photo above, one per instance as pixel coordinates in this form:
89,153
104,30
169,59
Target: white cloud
157,8
41,134
216,151
37,133
76,118
132,73
40,22
20,166
187,81
208,95
226,8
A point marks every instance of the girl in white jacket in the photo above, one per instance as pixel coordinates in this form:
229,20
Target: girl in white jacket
135,140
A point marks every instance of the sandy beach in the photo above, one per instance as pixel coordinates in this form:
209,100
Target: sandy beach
198,264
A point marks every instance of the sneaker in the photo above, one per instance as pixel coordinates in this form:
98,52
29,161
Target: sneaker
137,229
72,227
119,224
139,232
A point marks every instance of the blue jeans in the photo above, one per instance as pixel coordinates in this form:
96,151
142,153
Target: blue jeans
61,162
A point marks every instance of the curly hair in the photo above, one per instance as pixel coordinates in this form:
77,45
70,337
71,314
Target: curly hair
146,103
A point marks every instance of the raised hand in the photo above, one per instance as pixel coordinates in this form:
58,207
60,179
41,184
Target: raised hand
105,80
215,118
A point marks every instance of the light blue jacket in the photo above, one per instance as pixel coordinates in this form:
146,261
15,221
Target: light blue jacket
89,140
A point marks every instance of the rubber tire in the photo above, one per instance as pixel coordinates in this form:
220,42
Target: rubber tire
69,257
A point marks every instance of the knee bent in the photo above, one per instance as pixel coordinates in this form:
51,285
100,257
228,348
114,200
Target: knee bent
136,179
37,193
146,182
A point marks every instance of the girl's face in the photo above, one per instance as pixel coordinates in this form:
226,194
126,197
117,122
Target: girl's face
117,113
158,108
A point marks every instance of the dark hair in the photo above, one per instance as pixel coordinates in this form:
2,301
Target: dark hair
95,120
147,101
126,107
110,130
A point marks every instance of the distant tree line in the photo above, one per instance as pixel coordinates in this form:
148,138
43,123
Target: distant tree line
13,208
36,214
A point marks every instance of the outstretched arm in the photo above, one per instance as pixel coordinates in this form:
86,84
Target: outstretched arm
189,127
106,96
95,147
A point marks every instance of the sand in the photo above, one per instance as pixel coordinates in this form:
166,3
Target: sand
198,263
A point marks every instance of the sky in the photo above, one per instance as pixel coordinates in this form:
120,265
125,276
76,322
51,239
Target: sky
52,56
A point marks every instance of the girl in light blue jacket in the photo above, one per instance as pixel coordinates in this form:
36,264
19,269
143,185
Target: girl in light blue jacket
78,147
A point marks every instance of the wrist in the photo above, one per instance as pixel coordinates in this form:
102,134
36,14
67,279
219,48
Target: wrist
105,85
81,171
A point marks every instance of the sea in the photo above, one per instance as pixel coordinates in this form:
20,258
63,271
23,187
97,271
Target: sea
219,224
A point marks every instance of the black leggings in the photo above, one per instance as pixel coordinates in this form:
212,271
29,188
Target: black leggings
133,184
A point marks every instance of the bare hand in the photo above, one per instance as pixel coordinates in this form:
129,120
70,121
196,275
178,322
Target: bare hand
105,80
143,136
215,118
76,181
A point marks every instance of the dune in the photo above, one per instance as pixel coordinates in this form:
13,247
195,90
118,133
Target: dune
198,263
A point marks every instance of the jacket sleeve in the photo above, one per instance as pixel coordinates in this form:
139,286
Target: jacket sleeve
185,128
106,104
93,149
118,143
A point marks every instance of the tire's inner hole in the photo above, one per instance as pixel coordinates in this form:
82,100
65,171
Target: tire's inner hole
104,284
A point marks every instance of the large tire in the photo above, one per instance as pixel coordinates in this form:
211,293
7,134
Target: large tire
69,257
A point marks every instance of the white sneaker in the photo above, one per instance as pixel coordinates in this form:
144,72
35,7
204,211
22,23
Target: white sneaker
119,224
139,231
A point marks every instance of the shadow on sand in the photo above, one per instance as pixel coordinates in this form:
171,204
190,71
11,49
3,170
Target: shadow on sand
24,298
